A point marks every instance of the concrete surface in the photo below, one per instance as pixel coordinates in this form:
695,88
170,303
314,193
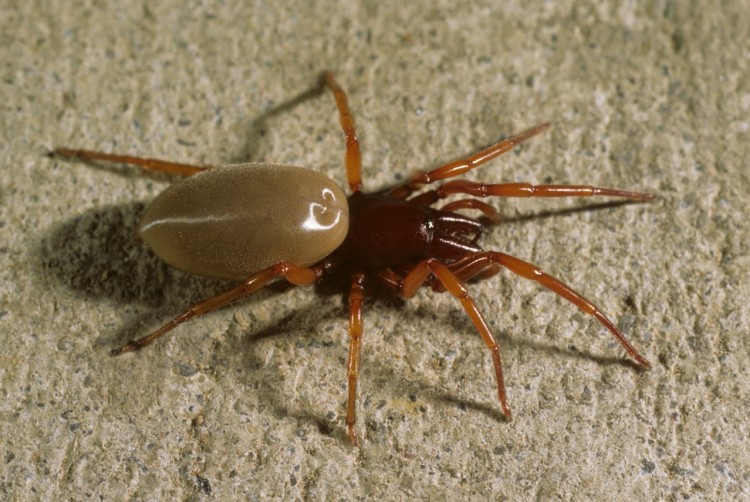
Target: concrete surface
248,403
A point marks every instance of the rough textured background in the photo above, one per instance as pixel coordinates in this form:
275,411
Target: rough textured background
249,401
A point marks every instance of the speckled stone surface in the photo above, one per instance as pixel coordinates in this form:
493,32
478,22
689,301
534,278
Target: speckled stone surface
249,402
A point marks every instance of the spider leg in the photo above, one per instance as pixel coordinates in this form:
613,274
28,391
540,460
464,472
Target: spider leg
528,190
292,273
420,274
353,155
458,167
148,164
532,272
356,300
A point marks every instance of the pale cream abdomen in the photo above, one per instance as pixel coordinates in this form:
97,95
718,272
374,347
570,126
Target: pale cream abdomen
232,221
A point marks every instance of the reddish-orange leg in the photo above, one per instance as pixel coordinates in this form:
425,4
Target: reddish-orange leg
528,190
458,167
148,164
356,300
419,275
465,187
532,272
482,265
295,275
353,156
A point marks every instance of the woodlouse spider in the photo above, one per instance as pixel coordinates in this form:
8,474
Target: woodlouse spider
255,223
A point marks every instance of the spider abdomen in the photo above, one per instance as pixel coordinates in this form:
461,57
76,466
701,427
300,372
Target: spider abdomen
230,222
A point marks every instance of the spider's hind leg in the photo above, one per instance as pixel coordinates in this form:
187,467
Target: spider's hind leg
142,162
353,156
295,275
419,276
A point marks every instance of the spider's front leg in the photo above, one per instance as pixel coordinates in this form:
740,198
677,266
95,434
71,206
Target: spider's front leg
458,167
419,275
480,261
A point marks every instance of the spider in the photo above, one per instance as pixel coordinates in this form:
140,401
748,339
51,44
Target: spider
256,223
